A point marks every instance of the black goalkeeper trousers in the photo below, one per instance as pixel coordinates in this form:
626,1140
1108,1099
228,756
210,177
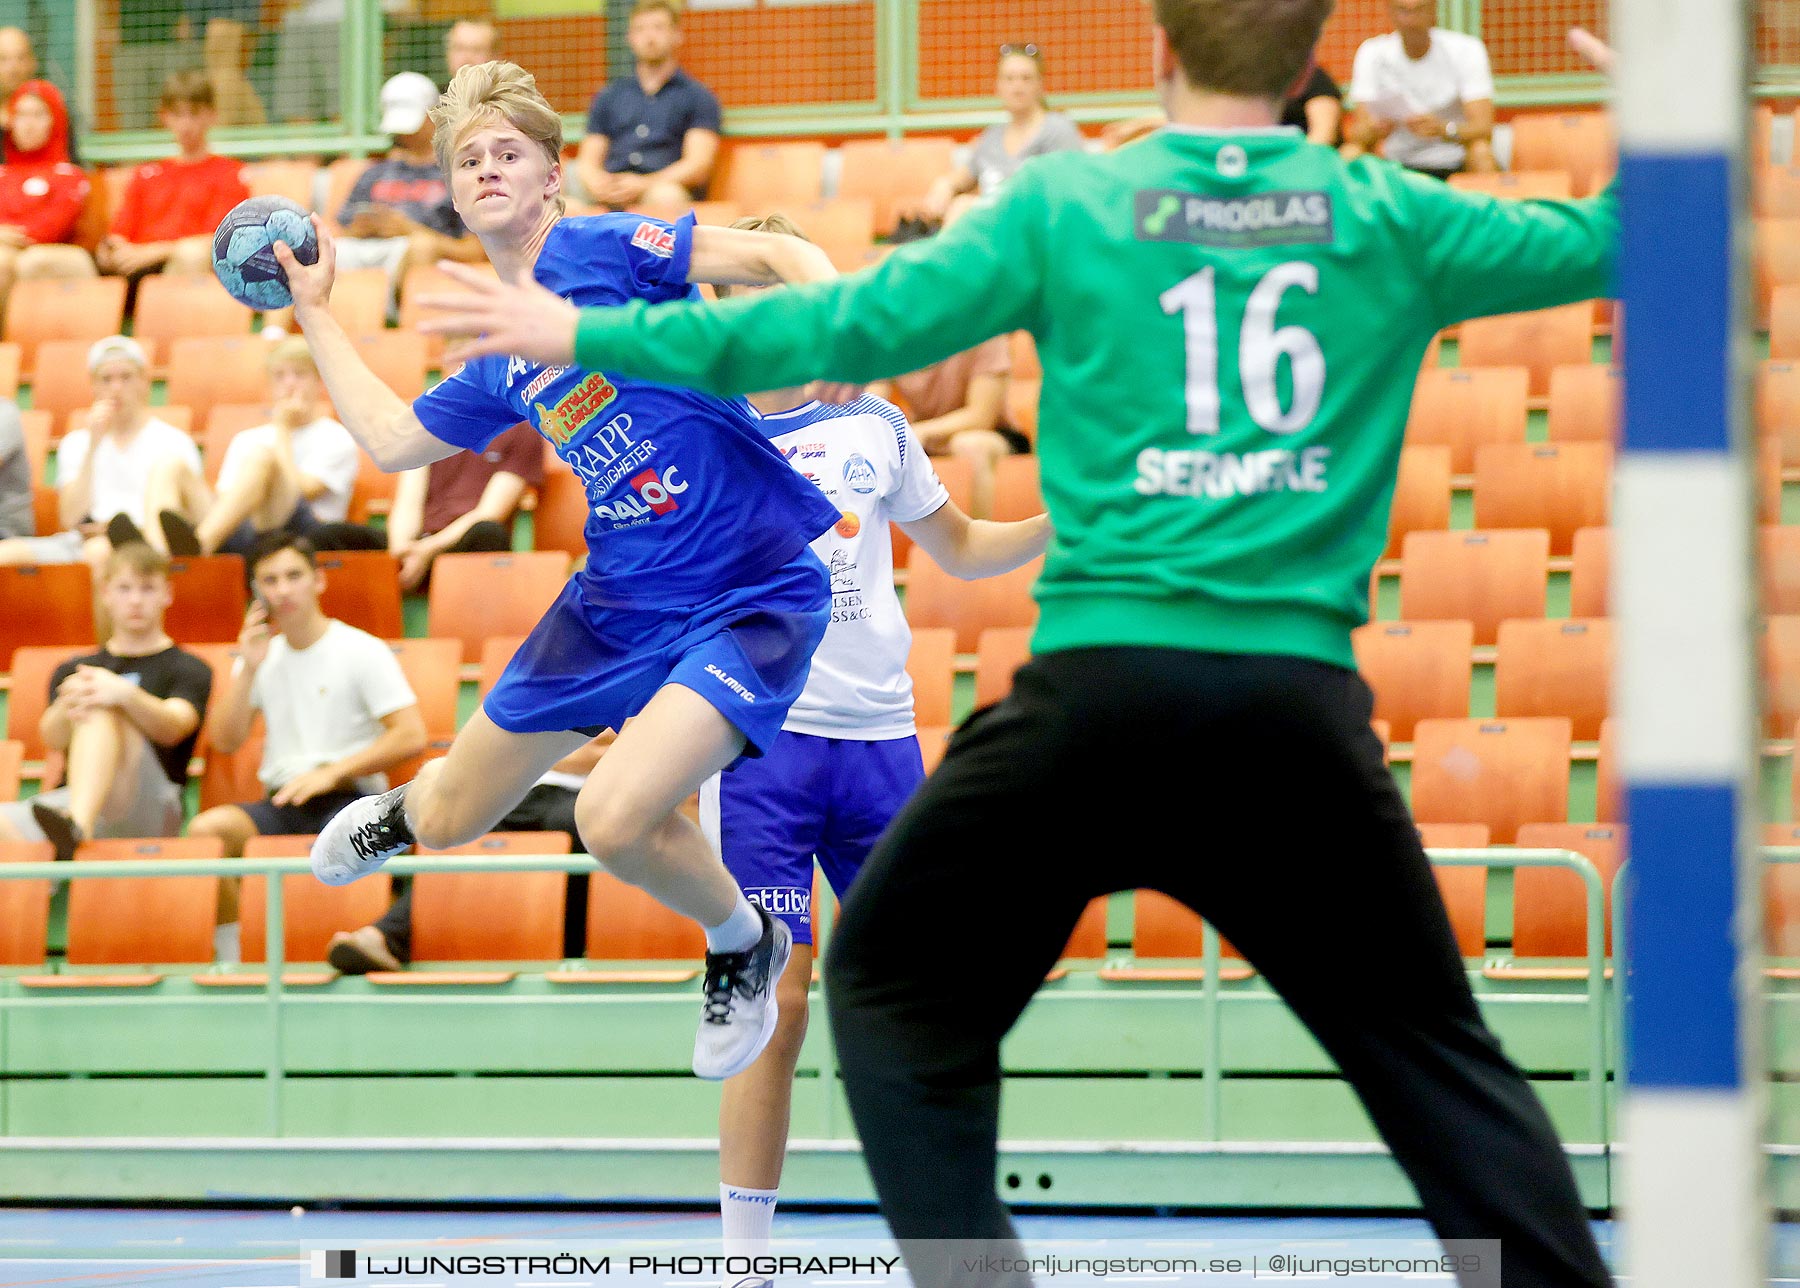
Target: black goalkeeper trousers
1251,789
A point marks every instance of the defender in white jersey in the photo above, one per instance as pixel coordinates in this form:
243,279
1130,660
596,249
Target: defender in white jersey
846,759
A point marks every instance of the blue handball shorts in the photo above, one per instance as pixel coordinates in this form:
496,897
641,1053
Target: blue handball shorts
747,652
808,796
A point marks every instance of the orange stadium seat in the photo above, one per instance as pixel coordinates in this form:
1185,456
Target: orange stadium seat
1778,407
10,358
626,924
32,668
560,520
24,906
57,602
934,740
398,357
1590,573
760,177
1776,192
373,491
844,228
282,177
1577,143
1462,408
1464,889
1608,804
210,598
1418,670
893,173
496,652
1550,909
1421,494
36,428
420,281
1780,568
225,421
12,761
83,308
61,383
1087,941
46,511
1780,648
232,779
432,669
492,916
1016,491
1584,404
362,587
1784,322
140,920
935,598
173,306
1560,487
1555,668
1776,260
1520,185
311,910
931,662
1769,495
1781,898
1540,341
217,369
1504,773
1762,135
476,595
359,299
1001,651
1483,577
1161,927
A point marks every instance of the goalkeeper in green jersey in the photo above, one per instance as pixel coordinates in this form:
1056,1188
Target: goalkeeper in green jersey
1229,319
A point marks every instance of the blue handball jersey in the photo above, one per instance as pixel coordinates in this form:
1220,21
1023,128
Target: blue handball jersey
686,497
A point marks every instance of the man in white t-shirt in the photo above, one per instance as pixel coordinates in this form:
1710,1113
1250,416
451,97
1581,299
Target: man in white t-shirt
102,467
847,758
292,474
337,711
1426,93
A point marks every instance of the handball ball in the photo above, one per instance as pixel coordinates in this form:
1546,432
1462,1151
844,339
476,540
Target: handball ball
244,250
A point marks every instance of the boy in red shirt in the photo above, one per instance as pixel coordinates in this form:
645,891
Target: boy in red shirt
171,208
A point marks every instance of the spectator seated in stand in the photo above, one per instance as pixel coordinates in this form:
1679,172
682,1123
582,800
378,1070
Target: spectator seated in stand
125,718
103,467
1031,129
42,193
337,711
1423,95
652,139
958,407
548,807
291,474
171,208
460,504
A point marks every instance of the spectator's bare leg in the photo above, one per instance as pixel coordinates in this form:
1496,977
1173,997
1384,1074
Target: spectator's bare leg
263,490
192,256
173,485
9,273
665,193
232,826
55,261
95,551
984,449
104,769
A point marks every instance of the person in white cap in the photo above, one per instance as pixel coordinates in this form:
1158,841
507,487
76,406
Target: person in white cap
104,464
399,213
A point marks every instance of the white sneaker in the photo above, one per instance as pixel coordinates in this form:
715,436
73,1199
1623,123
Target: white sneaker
365,834
738,1013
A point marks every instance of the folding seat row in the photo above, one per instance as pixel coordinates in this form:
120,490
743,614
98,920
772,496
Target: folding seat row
1488,576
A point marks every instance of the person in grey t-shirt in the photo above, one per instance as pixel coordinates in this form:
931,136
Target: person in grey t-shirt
15,474
1030,130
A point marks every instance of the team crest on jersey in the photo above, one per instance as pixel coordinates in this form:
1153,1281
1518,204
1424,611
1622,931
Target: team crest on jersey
859,475
575,408
1258,219
655,239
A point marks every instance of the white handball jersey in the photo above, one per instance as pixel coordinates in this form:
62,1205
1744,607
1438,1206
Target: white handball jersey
864,458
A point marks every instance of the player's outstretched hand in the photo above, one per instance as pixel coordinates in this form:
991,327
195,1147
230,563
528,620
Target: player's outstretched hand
1593,51
310,283
503,317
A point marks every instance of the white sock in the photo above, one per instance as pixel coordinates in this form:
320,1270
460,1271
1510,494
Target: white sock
225,944
748,1215
737,933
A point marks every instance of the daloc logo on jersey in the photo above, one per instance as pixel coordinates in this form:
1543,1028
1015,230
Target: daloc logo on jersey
859,475
1256,219
659,493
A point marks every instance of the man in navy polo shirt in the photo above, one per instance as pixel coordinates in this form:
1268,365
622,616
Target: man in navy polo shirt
652,138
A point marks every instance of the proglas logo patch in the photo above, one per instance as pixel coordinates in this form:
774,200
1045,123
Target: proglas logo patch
1258,219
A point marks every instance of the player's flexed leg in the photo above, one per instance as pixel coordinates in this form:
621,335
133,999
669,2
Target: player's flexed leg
700,604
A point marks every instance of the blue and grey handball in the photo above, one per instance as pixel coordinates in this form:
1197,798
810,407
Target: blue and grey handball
244,252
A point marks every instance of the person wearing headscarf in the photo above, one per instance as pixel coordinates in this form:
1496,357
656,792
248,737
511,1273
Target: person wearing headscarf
42,193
